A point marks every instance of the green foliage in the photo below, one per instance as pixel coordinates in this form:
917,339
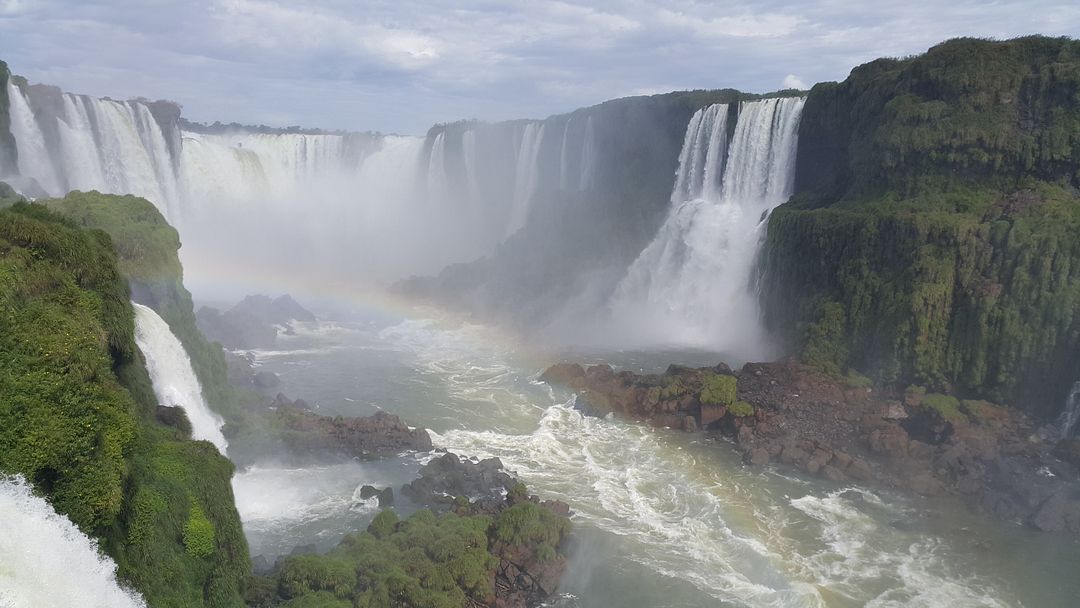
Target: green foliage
718,389
384,524
198,534
823,345
77,419
423,561
673,388
528,523
945,405
966,112
853,379
146,247
65,421
740,409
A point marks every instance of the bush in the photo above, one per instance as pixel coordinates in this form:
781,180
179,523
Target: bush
718,389
947,406
198,534
740,409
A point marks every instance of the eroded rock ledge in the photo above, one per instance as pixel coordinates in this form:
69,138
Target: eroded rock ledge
845,430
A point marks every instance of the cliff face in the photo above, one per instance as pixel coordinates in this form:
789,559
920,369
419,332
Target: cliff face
8,158
932,238
79,419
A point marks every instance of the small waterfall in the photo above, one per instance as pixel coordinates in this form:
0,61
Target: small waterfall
436,173
691,285
47,561
34,158
564,160
526,175
588,156
471,162
174,379
1071,414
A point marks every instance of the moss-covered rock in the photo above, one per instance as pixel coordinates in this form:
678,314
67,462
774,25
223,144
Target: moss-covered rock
932,238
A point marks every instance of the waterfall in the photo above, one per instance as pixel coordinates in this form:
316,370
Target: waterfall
1071,414
691,284
471,160
436,173
174,379
47,561
588,156
564,161
34,158
526,175
80,151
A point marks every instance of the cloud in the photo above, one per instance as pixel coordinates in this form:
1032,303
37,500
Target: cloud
791,81
402,66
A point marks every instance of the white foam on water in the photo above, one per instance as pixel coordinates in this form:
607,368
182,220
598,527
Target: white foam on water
47,562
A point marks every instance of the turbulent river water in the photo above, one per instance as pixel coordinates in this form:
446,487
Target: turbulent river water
662,518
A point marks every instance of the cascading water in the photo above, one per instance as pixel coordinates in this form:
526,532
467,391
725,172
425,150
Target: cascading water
174,380
436,174
47,561
588,156
34,158
691,285
526,175
471,162
1070,416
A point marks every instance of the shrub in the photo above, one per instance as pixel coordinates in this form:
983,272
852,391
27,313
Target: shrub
198,534
740,409
718,389
947,406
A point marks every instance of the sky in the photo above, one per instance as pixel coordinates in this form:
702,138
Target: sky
400,66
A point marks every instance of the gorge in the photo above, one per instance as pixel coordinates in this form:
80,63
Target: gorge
901,243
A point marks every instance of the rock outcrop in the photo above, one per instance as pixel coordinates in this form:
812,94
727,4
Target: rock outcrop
791,415
308,434
527,536
253,323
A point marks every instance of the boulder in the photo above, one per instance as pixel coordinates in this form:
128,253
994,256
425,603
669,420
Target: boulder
266,380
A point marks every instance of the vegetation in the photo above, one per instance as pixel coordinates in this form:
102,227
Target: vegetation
718,389
427,560
78,419
740,409
947,406
146,247
933,236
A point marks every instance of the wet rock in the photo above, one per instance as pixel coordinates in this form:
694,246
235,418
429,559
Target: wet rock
173,416
307,434
832,473
894,411
386,498
758,456
266,380
449,481
565,374
711,414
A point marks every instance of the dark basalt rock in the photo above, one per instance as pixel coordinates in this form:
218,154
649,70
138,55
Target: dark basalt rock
253,323
817,424
175,417
265,379
380,434
448,482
